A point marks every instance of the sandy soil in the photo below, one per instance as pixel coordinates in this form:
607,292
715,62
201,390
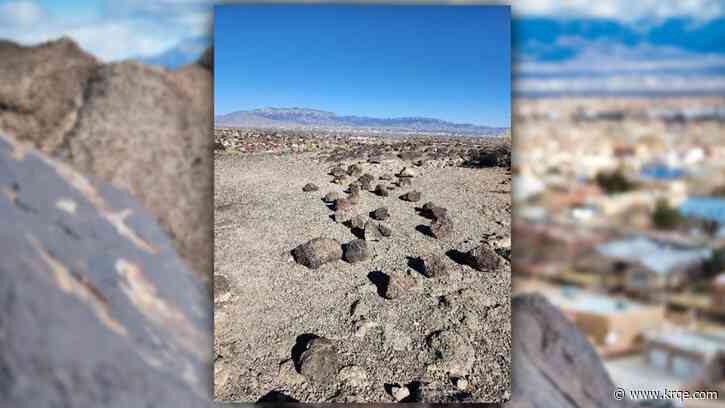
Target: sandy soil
273,305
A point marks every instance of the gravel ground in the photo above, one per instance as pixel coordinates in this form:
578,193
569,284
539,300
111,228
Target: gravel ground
272,305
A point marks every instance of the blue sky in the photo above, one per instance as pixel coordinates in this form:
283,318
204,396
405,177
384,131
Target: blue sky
563,46
450,63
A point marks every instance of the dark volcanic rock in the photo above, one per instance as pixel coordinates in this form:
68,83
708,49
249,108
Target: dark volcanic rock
412,196
385,230
441,227
433,266
381,214
338,172
317,252
92,291
438,213
433,212
354,188
483,259
355,251
310,187
319,362
398,285
121,122
366,181
554,365
382,190
354,170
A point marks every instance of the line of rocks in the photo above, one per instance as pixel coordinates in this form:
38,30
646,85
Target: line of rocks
319,361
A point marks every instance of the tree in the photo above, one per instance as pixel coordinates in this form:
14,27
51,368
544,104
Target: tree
614,182
665,216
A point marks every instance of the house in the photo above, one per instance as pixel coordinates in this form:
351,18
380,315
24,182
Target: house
683,352
613,324
651,268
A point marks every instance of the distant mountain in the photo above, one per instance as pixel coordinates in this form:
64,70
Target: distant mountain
312,118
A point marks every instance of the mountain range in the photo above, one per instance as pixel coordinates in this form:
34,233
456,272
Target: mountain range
304,118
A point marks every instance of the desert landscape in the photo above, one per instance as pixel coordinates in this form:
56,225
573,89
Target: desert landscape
354,268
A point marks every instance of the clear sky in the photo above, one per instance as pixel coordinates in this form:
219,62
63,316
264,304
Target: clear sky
445,62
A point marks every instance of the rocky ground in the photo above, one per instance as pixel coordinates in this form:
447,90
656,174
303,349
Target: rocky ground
413,316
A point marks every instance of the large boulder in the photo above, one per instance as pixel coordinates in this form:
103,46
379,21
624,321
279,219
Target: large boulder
554,365
144,129
356,251
97,309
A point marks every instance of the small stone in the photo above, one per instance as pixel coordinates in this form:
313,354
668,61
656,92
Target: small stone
354,170
483,259
433,266
441,227
412,196
399,393
310,187
338,171
386,177
373,231
319,361
359,308
353,376
356,251
358,222
354,188
340,179
428,206
317,252
381,190
462,384
405,182
331,196
385,230
454,352
438,212
360,327
381,214
407,172
221,284
343,204
399,284
366,181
